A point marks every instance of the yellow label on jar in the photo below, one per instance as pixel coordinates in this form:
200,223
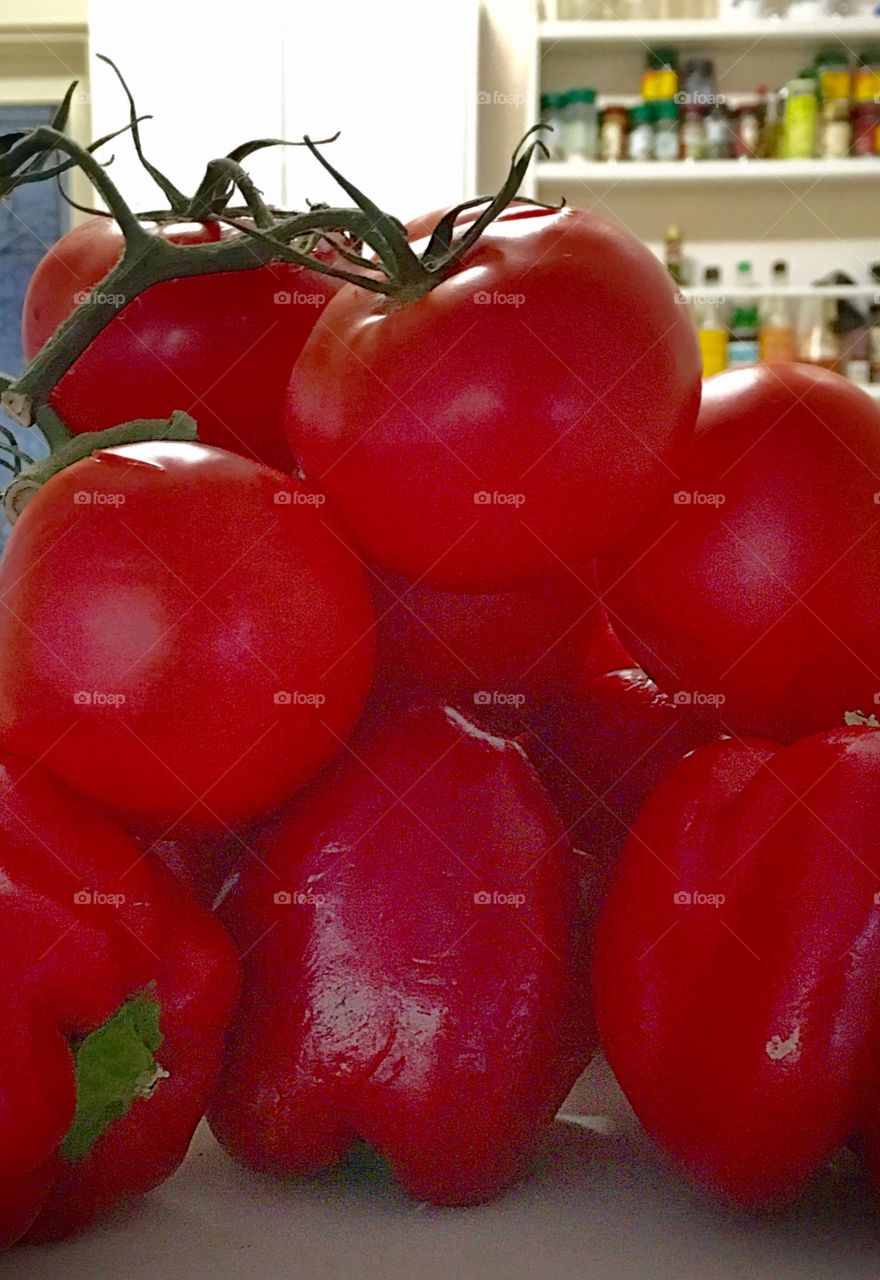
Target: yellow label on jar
867,84
835,85
713,347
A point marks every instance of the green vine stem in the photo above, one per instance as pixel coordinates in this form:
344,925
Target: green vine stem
263,237
67,449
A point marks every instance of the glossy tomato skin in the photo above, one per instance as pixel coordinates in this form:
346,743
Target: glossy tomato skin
185,636
762,593
220,347
527,411
494,653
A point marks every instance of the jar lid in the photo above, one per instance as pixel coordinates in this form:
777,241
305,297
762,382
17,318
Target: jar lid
660,58
581,95
831,58
550,101
641,113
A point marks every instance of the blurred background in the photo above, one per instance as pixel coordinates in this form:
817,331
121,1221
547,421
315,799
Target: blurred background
740,139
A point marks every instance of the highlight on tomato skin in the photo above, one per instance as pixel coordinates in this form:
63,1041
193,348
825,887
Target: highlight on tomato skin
523,414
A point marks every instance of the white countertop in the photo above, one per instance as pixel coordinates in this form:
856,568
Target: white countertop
598,1206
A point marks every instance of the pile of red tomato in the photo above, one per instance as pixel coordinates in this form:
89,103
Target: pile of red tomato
387,665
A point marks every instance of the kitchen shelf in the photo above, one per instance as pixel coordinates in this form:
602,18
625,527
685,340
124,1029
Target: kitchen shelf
729,292
638,173
708,32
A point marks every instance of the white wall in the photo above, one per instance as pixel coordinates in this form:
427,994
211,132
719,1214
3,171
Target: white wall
402,91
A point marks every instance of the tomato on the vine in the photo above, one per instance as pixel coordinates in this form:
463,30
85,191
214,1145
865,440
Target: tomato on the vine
524,410
220,347
183,633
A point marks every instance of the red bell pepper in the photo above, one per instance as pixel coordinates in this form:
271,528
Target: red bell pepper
414,971
115,991
738,960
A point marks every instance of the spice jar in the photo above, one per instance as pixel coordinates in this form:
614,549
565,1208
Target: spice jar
660,77
865,124
832,69
640,143
747,133
718,137
801,118
836,130
694,143
613,134
666,130
553,114
581,124
868,75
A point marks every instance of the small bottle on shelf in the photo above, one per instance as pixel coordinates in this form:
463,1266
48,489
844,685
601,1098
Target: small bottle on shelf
694,139
747,133
711,326
777,341
819,343
742,349
553,114
673,255
770,142
581,125
640,140
666,142
613,133
718,135
800,126
874,342
660,77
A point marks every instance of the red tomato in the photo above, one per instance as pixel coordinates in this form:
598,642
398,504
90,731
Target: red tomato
219,346
182,633
493,653
524,412
754,585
